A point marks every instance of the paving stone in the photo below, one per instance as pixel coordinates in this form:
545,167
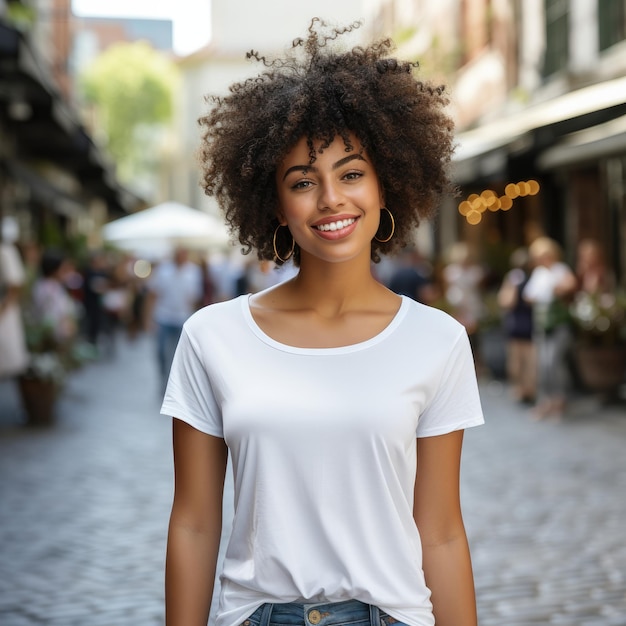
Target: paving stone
85,505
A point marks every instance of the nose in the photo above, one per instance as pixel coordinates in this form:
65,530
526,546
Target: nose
330,196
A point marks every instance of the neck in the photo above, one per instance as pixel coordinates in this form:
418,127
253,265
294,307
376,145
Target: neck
335,287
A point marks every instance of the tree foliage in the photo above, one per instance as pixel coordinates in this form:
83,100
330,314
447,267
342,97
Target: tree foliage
131,87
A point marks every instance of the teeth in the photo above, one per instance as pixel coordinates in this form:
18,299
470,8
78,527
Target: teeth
336,225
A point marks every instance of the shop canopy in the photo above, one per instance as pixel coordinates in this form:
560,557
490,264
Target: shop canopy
485,150
591,144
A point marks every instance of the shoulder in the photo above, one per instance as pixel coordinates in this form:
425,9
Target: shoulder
562,269
431,321
216,318
539,273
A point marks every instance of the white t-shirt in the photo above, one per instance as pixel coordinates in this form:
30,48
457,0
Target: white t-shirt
543,281
323,444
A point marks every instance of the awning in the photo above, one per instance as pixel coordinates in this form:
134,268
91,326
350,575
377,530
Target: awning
45,191
522,131
587,145
47,127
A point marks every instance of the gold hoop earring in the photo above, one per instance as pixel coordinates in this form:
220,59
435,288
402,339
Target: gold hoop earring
293,245
393,227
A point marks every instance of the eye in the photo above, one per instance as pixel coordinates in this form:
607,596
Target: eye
353,175
301,184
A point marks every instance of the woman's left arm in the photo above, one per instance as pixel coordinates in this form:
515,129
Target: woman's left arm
437,512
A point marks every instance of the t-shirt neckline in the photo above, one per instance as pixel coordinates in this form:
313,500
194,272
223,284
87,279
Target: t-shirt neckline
355,347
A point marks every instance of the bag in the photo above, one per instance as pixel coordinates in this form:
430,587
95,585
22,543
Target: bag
557,315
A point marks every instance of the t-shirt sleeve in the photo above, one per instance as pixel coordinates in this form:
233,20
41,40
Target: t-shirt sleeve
456,402
189,395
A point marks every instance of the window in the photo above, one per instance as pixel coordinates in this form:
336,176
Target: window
557,36
611,22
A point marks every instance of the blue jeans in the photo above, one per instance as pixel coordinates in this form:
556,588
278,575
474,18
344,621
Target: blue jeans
350,612
167,336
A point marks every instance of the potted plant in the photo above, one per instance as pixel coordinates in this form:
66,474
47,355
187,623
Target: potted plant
45,374
599,322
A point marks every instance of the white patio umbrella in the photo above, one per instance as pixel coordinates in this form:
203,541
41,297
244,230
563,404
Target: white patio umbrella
156,231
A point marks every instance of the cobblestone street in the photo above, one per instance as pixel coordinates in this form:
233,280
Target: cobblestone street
84,507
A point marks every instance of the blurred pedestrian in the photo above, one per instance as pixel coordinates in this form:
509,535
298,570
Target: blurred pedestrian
95,283
343,404
518,328
463,279
52,306
174,292
592,270
463,284
549,289
412,277
13,352
208,285
116,301
227,276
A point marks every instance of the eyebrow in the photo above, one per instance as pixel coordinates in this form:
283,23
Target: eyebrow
312,168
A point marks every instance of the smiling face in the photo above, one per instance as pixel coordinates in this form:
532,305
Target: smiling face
331,207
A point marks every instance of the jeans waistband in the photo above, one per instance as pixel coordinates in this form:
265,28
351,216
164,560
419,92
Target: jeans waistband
317,614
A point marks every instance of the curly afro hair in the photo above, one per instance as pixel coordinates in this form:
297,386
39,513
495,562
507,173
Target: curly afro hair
320,94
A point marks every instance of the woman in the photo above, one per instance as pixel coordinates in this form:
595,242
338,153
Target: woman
51,302
592,270
341,403
549,290
521,359
13,352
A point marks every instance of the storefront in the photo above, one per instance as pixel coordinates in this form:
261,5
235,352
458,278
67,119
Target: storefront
52,175
556,168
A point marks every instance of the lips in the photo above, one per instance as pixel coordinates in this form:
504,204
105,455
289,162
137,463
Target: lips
335,225
332,228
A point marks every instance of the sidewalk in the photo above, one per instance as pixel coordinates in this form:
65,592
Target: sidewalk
85,503
85,506
545,513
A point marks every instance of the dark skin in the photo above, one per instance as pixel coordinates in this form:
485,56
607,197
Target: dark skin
195,525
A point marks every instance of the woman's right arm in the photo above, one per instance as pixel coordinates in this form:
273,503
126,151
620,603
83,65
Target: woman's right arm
195,525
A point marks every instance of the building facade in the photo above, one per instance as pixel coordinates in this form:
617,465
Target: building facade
558,118
54,180
538,95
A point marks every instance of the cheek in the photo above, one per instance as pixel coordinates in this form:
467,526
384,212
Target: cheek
284,208
295,207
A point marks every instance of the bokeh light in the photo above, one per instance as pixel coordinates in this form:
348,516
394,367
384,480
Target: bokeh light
506,203
142,268
474,217
476,204
512,191
533,187
464,208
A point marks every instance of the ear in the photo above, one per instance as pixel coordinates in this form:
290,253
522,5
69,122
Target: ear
280,216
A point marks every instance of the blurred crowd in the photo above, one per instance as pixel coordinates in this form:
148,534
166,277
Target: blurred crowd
48,298
80,307
542,309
